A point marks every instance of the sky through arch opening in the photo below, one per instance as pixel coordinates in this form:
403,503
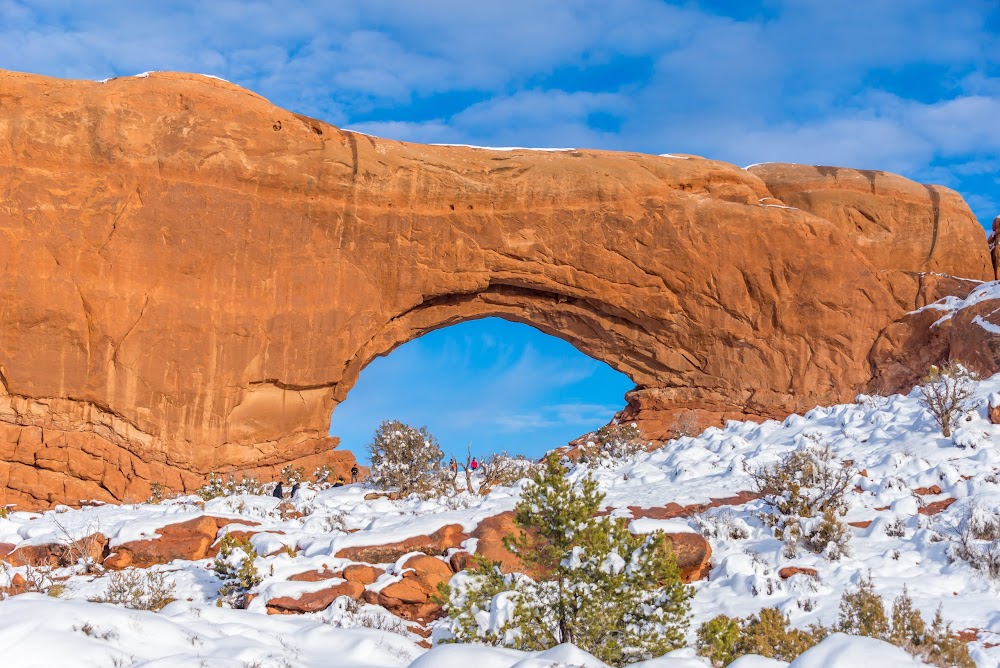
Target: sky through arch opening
496,384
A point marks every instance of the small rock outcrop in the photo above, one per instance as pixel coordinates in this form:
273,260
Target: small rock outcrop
963,328
191,540
438,542
314,601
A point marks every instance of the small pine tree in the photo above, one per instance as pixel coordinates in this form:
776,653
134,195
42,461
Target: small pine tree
908,627
611,593
236,566
718,639
947,392
404,458
862,612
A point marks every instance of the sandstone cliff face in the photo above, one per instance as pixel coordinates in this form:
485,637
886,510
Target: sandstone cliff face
193,278
902,227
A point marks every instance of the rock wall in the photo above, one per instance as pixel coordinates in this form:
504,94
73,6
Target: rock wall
193,278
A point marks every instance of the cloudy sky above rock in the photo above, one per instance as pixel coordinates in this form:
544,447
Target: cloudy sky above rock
911,87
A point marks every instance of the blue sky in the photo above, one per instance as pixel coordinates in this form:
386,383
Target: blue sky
493,384
909,86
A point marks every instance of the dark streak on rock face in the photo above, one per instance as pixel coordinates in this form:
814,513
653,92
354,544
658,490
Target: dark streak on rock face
936,212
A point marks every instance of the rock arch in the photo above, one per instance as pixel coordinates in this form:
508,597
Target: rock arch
193,277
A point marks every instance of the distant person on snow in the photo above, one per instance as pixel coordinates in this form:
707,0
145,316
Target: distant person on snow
474,465
453,465
279,492
339,483
295,490
354,473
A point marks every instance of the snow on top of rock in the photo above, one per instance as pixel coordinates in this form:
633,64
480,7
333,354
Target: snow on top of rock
952,304
508,148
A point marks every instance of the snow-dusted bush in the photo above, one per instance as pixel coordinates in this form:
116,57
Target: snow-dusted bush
237,569
157,493
947,393
612,442
503,470
614,594
805,495
216,487
406,459
138,589
976,540
349,613
723,524
322,475
293,474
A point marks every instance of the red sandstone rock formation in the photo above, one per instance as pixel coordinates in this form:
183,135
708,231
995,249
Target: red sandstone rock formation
446,537
965,331
789,571
190,540
193,278
314,601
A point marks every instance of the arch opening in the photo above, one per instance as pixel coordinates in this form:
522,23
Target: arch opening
494,382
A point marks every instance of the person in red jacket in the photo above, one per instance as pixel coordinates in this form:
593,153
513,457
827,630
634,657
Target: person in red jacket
474,465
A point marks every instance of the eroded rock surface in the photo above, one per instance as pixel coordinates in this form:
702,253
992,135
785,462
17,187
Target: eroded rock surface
193,278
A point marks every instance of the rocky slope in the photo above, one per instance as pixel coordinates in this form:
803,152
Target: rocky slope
348,566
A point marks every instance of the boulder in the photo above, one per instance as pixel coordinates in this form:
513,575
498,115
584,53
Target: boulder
362,573
935,507
191,540
789,571
428,571
438,542
460,561
490,534
992,411
314,601
90,548
407,591
18,585
316,576
693,553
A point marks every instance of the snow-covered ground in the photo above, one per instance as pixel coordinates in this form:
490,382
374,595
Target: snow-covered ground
892,444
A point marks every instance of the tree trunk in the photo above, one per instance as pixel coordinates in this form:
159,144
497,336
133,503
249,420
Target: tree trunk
565,635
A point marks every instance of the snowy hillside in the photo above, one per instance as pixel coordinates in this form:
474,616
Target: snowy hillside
913,492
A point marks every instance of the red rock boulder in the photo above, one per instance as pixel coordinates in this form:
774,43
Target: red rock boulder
191,540
89,548
438,542
362,573
314,601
